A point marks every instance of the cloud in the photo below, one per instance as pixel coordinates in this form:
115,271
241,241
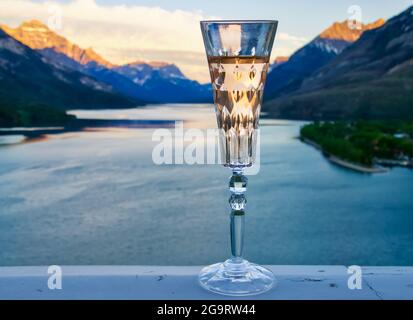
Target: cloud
124,33
286,44
293,39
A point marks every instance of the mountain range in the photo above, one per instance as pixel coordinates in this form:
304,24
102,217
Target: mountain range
344,72
287,76
27,77
165,82
371,78
155,82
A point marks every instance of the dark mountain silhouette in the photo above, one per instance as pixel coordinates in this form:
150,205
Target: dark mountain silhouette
372,78
288,76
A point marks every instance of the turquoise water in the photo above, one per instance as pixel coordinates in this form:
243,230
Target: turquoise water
96,197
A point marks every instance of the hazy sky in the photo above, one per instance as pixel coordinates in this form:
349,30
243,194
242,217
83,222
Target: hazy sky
168,30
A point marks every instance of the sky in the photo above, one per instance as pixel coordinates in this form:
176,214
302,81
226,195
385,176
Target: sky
168,30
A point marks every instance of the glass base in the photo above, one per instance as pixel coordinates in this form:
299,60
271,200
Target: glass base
236,277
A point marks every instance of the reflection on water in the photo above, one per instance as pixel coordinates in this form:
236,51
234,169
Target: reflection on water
194,116
11,139
95,197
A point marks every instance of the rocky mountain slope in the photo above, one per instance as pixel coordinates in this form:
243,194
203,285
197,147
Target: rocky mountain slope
373,78
27,77
288,77
38,36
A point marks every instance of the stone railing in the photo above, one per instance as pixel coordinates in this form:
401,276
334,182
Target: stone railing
157,282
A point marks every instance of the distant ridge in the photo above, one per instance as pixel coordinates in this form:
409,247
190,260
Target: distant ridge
277,62
281,59
165,82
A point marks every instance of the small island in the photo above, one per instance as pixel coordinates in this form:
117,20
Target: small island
364,146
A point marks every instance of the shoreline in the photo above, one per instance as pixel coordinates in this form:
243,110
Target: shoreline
344,163
18,135
82,124
356,167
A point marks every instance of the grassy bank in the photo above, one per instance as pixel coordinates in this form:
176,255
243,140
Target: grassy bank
362,141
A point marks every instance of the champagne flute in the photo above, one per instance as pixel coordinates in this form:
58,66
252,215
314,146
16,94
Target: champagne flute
238,56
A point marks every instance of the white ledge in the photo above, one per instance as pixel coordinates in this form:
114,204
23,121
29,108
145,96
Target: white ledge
173,283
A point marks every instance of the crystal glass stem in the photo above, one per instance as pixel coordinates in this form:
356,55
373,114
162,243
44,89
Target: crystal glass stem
237,201
237,276
237,233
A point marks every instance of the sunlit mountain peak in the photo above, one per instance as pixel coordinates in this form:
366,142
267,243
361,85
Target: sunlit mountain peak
349,31
38,36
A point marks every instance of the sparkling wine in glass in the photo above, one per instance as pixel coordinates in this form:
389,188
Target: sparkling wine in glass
238,84
238,53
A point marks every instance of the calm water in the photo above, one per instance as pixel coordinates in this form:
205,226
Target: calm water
97,198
